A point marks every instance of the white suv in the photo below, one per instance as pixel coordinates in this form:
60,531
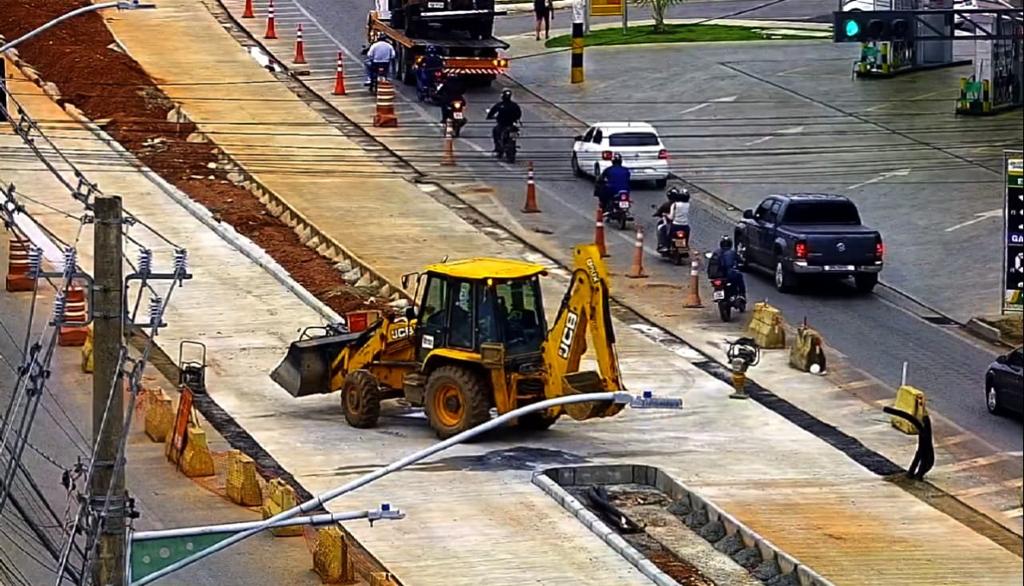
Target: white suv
638,143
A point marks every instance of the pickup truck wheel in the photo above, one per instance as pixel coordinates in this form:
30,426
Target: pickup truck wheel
992,398
785,280
456,400
865,282
360,399
576,166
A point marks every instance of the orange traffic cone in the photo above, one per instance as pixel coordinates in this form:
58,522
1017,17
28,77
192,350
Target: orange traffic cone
531,192
448,157
385,116
599,232
271,27
339,79
300,49
18,265
693,295
637,270
248,12
74,312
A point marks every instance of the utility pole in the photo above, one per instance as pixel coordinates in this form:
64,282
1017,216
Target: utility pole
108,569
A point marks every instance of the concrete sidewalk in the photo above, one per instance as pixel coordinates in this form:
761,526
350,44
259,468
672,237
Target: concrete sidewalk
768,457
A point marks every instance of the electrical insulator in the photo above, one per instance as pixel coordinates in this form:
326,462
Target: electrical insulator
35,260
59,308
145,261
155,310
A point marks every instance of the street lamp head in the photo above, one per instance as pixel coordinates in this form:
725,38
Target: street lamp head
134,5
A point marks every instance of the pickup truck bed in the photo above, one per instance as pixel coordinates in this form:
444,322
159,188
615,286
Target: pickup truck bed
803,235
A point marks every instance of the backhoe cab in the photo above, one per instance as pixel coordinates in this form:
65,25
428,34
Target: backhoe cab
477,340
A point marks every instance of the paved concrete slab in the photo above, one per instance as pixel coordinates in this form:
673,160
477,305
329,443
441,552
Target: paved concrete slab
762,448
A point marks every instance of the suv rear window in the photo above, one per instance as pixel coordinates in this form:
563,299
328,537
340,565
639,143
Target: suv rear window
822,212
633,139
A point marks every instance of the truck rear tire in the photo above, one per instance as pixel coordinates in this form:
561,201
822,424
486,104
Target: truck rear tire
785,280
360,399
865,282
456,400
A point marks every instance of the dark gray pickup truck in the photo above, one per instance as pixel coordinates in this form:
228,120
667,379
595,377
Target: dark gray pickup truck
803,234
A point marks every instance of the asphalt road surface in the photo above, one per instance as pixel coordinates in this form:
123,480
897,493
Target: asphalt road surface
875,334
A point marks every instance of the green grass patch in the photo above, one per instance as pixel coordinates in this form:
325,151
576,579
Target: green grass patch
674,33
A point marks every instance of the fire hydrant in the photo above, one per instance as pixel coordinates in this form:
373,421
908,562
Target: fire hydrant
742,354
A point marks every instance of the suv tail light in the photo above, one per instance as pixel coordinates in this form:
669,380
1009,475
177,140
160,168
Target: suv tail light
879,249
800,250
717,283
663,154
606,155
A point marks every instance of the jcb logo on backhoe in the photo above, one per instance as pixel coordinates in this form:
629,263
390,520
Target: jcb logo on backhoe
401,333
595,276
567,335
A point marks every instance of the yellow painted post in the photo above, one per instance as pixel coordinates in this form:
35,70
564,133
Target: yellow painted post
576,72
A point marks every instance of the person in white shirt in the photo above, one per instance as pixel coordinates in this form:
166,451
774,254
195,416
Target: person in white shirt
379,57
676,212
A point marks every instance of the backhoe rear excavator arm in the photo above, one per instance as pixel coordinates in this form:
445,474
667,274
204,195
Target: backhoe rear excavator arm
585,308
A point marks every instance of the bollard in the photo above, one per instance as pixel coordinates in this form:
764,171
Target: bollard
448,156
159,416
637,270
87,359
280,497
599,232
242,485
339,79
248,11
271,32
693,295
331,557
531,192
300,47
576,62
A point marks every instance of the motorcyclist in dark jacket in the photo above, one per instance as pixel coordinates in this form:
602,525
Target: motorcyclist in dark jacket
724,263
452,89
612,180
507,114
431,64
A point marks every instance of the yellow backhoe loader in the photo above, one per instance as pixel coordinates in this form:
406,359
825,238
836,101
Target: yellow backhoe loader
477,339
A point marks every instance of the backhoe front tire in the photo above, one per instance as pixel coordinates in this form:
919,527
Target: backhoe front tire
456,400
360,399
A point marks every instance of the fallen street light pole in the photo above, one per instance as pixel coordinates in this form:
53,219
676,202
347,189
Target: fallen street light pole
122,5
149,551
645,401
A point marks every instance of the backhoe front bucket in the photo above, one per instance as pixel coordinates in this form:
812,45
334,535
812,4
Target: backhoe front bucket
588,381
306,369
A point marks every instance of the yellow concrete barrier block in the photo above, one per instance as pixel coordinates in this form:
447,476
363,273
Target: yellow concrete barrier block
766,327
382,579
330,557
159,418
280,497
909,400
196,460
87,352
243,484
808,351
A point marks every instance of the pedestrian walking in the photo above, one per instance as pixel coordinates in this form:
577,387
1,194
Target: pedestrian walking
544,10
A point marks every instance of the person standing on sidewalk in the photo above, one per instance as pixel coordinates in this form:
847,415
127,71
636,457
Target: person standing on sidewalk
544,10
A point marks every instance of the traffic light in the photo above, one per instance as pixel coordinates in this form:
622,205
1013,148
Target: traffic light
863,26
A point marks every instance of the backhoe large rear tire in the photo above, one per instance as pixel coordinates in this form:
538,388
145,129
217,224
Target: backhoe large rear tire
456,400
360,399
538,421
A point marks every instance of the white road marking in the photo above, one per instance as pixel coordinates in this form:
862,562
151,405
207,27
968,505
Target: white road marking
794,70
708,103
883,177
979,217
784,131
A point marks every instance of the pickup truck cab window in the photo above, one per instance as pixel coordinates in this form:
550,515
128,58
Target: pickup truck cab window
589,135
598,136
833,213
763,211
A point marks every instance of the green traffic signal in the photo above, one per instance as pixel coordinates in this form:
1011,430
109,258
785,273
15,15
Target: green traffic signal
852,28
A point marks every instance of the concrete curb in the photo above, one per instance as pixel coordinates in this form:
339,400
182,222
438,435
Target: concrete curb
552,481
603,531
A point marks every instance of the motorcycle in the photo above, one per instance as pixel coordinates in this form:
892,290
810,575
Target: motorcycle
678,249
508,145
619,209
455,116
431,90
723,294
